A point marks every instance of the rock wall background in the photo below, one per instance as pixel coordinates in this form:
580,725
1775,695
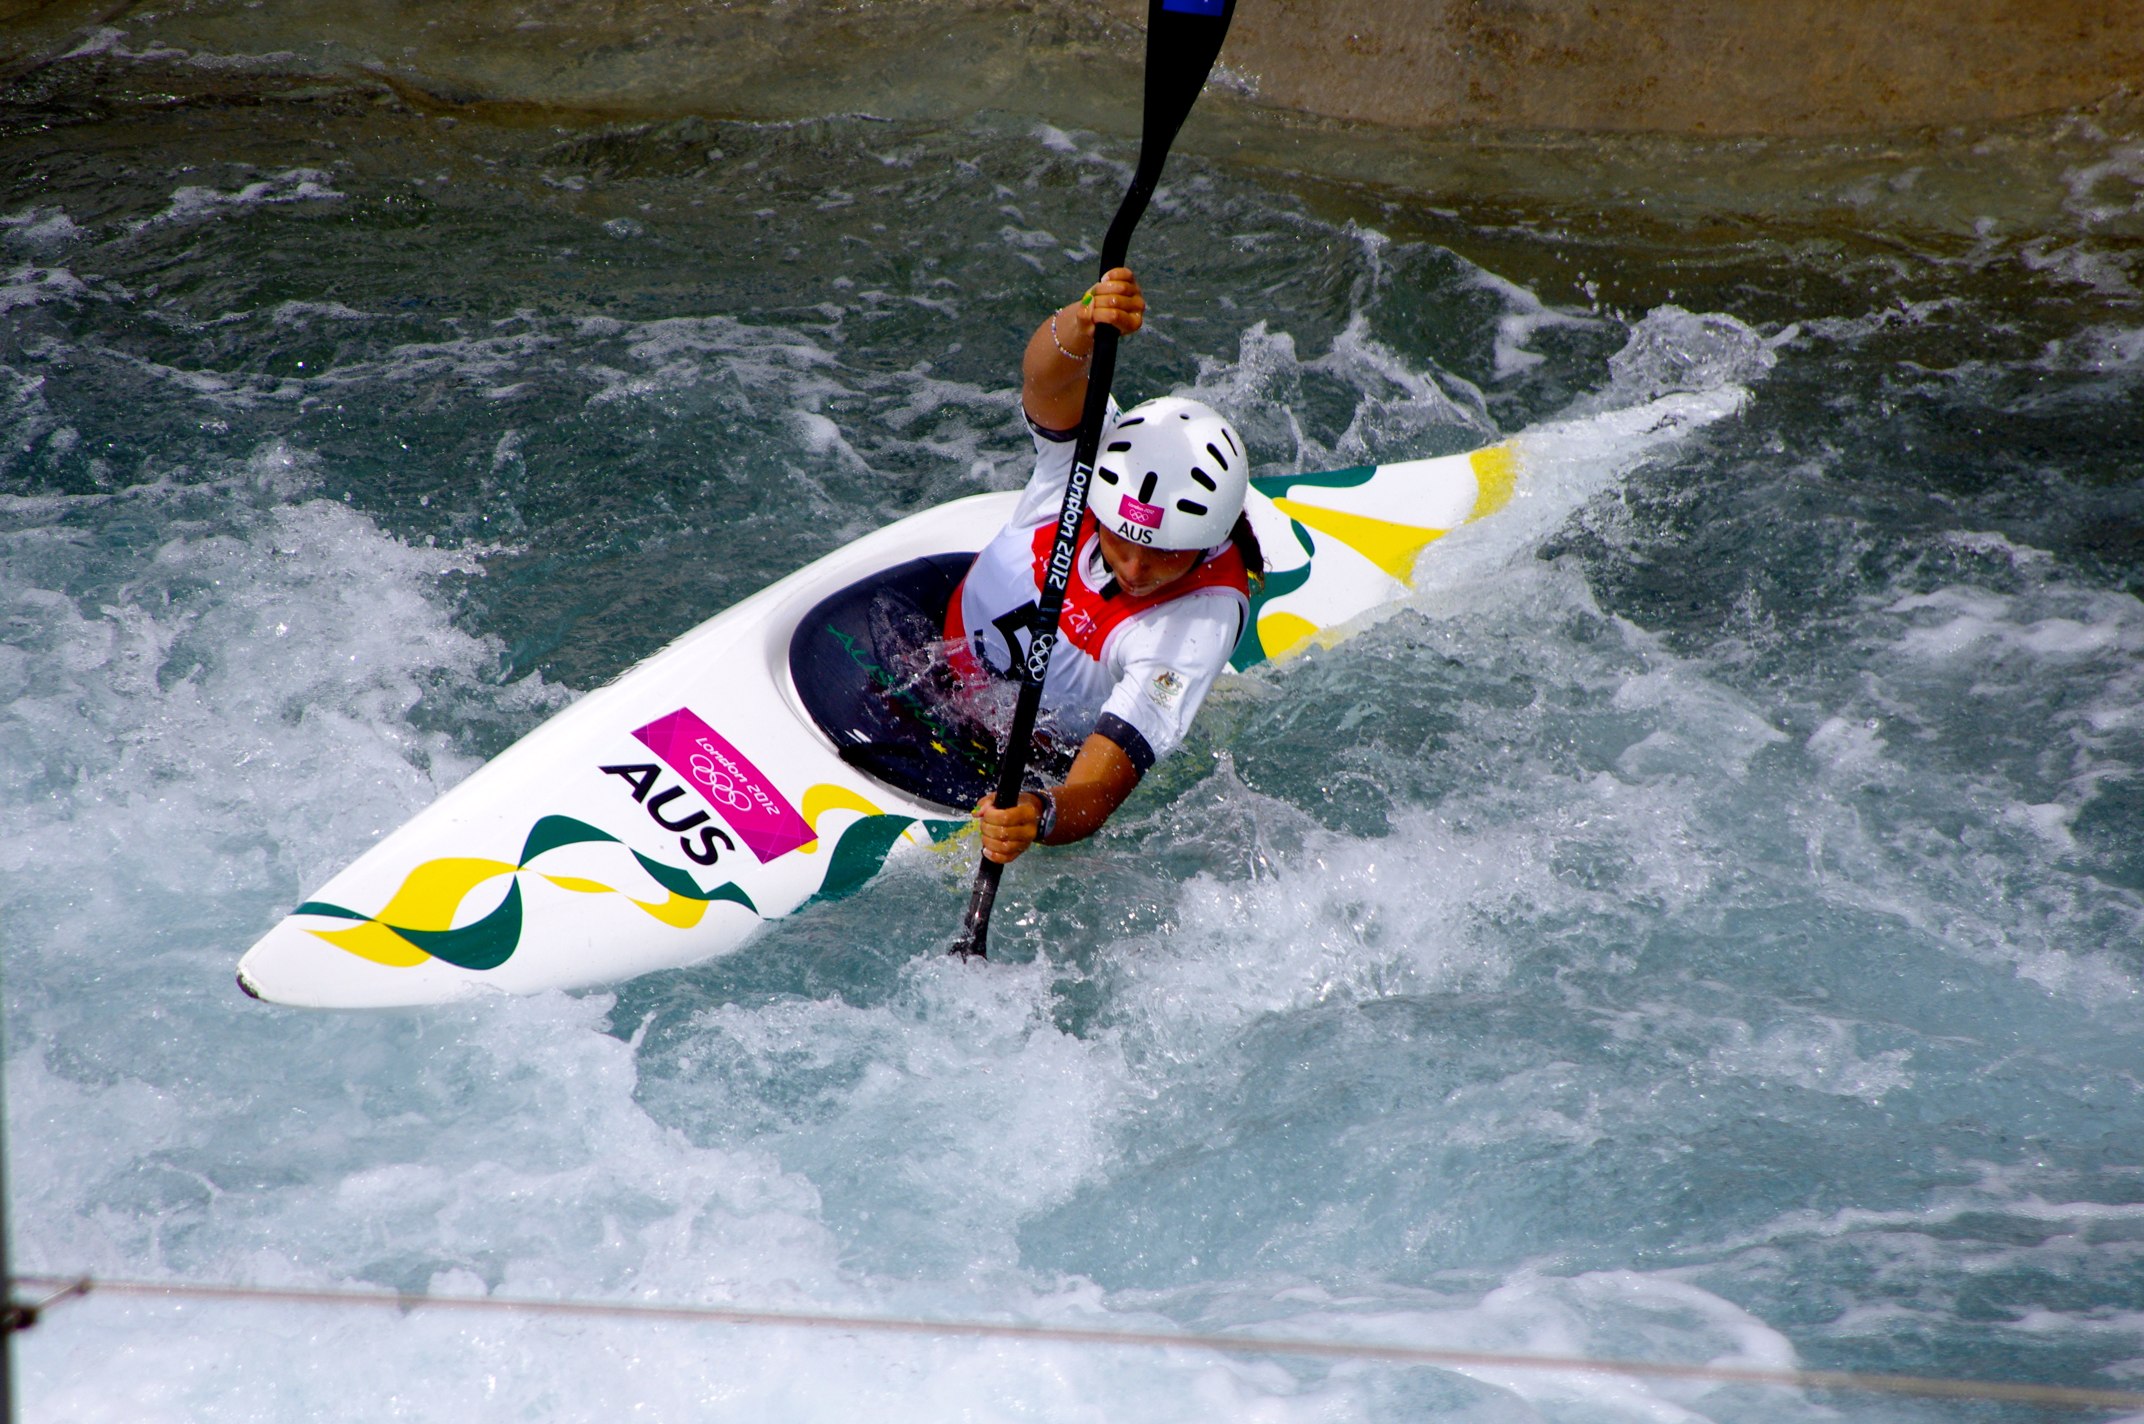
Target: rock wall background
1801,67
1685,67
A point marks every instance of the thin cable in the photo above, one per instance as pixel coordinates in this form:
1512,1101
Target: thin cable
73,1288
2052,1396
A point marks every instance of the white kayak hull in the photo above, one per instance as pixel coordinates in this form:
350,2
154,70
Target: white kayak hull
662,819
544,871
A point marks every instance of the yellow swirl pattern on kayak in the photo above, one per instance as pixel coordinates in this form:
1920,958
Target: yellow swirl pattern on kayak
1282,633
427,900
418,921
829,796
1392,547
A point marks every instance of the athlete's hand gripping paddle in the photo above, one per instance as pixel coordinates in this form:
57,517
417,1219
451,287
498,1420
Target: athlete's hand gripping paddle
1183,38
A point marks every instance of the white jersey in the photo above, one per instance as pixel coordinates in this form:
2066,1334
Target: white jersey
1133,669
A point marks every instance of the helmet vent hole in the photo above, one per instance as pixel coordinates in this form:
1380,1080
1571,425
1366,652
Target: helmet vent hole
1230,437
1205,479
1219,458
1106,475
1146,490
1191,507
1130,420
1119,446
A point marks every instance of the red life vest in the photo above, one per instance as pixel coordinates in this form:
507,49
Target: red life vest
1089,618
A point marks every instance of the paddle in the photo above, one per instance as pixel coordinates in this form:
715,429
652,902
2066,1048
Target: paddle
1183,38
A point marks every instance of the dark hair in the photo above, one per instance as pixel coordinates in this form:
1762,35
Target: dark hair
1254,558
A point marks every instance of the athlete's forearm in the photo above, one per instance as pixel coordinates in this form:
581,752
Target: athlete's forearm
1102,776
1053,374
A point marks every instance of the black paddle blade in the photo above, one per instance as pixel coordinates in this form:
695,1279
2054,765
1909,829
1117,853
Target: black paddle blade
1183,39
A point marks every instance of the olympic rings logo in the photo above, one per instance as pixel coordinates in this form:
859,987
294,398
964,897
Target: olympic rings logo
720,788
1038,656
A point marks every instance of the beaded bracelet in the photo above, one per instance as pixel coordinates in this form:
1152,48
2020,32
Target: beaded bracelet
1054,341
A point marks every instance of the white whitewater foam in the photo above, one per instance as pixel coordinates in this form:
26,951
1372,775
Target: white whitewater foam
197,201
1567,462
1527,316
32,286
258,661
40,227
1671,350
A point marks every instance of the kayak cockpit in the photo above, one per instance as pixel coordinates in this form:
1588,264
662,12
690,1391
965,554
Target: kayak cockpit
868,667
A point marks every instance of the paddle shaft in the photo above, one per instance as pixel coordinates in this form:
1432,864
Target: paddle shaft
1183,40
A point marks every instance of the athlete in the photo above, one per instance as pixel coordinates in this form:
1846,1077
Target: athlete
1160,588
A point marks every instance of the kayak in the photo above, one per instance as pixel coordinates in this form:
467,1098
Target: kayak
782,753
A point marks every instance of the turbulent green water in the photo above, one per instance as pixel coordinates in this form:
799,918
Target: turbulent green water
1705,927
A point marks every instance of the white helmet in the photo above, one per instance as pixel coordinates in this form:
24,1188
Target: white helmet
1172,476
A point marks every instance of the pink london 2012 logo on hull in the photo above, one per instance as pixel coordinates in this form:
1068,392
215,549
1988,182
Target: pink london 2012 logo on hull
725,777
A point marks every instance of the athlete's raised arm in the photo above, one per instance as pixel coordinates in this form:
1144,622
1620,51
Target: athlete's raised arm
1053,375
